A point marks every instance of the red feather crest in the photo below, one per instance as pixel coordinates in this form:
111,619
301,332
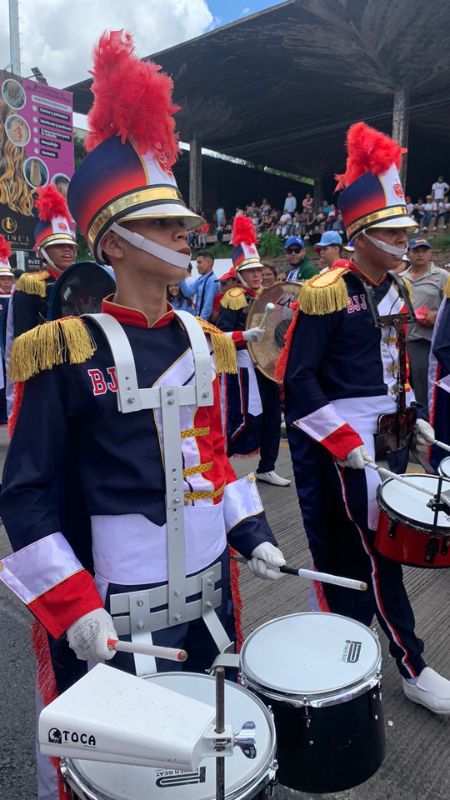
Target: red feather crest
368,150
133,99
50,204
5,249
243,231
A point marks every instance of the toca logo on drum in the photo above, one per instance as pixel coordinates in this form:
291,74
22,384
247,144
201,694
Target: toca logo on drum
168,778
55,736
352,651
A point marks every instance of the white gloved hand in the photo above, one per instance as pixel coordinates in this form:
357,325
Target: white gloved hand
253,334
423,432
88,636
264,556
355,459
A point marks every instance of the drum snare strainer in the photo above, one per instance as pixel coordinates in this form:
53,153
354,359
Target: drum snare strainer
245,778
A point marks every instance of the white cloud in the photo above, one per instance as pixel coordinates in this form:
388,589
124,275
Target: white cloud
58,35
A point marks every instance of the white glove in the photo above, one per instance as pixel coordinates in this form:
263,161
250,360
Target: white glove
263,557
253,334
355,459
423,432
88,636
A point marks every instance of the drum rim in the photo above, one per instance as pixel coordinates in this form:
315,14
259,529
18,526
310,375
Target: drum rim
246,791
321,698
443,474
397,516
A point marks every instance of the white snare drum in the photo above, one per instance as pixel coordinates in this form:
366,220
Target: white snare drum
245,778
321,675
444,467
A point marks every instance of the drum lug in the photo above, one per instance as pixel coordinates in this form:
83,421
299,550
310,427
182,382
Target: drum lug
374,701
432,549
444,546
392,529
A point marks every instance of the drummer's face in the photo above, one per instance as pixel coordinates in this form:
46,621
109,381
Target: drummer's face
253,277
62,255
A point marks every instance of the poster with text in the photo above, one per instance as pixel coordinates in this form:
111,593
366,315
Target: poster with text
36,148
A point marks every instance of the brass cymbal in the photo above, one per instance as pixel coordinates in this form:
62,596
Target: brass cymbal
265,353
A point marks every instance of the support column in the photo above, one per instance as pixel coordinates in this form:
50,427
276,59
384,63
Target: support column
400,125
317,192
195,174
14,36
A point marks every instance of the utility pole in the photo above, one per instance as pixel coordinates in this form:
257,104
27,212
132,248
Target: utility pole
14,50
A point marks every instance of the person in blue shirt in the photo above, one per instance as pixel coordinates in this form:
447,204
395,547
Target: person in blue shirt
177,300
205,287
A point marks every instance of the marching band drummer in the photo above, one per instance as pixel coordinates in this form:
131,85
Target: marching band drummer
252,401
343,371
133,464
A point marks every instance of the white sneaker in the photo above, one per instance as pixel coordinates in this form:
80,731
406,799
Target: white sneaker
430,690
273,478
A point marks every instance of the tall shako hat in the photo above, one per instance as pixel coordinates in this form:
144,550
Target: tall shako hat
131,145
54,219
372,195
5,252
245,254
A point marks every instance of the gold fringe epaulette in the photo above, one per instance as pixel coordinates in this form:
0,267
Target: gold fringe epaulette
324,293
33,283
408,288
447,288
66,340
223,347
234,299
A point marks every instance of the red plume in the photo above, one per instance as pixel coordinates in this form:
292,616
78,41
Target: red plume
133,99
50,203
5,249
368,150
243,231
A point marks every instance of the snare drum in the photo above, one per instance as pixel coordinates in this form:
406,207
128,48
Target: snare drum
405,530
245,778
320,673
444,467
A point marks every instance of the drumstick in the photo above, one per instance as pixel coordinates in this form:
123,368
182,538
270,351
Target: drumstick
170,653
268,310
442,445
312,575
399,478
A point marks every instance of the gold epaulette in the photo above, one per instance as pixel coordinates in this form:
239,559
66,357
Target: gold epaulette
324,293
407,283
33,283
65,340
234,298
223,347
447,288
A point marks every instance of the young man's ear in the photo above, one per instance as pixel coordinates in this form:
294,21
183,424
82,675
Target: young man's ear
113,245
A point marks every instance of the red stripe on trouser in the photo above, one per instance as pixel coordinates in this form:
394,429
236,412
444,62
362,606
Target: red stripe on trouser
375,583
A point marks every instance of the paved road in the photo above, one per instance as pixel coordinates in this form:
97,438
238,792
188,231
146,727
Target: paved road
416,765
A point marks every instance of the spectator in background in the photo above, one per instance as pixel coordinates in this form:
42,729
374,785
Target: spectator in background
283,228
331,217
203,231
205,287
299,268
329,249
220,223
427,289
265,207
439,189
269,276
307,203
430,209
290,203
177,300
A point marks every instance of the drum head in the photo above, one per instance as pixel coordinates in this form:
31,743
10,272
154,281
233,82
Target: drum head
265,353
403,504
313,655
444,467
242,775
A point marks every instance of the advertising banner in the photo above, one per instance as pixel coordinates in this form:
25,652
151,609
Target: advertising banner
36,148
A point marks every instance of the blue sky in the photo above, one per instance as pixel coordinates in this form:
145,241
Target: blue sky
228,10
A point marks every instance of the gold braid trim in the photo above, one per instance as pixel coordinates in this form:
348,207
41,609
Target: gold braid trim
447,288
408,287
323,294
66,340
194,432
204,495
198,469
223,348
234,299
33,283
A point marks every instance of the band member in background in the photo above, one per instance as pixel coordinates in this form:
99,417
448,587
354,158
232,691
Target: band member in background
345,365
252,401
439,379
153,523
56,246
7,281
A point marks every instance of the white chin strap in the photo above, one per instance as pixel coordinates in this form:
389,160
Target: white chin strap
163,253
386,248
241,278
43,253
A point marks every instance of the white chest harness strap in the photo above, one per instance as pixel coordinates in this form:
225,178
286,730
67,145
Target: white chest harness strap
130,398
